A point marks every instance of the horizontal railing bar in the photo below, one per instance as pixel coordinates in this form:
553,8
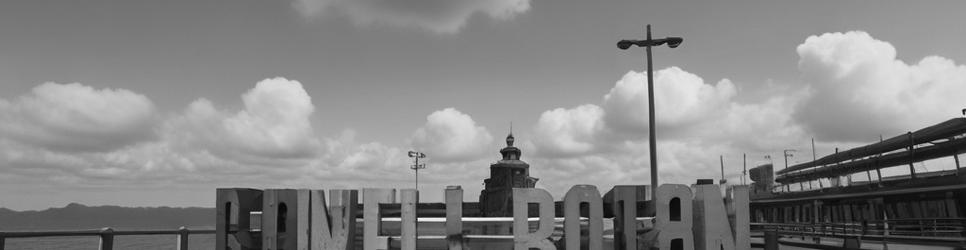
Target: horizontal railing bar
97,232
156,232
443,237
27,234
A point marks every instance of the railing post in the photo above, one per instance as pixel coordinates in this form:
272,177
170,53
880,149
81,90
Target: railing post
107,239
2,243
956,157
771,238
885,233
183,238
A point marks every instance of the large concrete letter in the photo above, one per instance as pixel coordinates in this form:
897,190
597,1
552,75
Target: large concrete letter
623,200
737,203
410,197
579,194
233,227
454,217
333,227
711,228
673,222
373,219
285,219
522,238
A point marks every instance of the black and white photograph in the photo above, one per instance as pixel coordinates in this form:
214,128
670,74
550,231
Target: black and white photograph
482,124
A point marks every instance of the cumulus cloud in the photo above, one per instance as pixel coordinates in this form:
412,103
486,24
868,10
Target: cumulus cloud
859,90
606,144
569,132
686,101
74,117
275,123
682,98
449,135
440,16
268,140
854,89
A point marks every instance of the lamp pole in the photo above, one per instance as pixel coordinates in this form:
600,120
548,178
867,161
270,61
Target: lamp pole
416,166
672,42
787,153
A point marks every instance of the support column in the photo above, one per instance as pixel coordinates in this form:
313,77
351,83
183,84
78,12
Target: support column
912,147
956,157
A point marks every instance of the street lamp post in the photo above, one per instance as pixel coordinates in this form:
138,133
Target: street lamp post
787,153
672,42
416,166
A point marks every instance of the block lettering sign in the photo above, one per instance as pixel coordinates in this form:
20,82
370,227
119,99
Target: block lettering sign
624,203
595,225
409,199
233,225
454,217
674,220
372,225
711,228
523,239
333,227
285,219
695,217
739,215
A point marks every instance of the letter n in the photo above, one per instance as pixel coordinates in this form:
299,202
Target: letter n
334,227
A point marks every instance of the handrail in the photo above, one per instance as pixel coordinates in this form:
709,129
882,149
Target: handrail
921,229
106,234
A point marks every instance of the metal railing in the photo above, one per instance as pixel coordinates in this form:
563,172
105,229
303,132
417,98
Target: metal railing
106,235
950,230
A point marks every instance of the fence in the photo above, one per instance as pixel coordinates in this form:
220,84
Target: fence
935,230
107,235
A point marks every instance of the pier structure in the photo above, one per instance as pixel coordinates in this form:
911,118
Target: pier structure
847,195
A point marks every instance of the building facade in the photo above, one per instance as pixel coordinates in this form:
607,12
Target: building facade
496,199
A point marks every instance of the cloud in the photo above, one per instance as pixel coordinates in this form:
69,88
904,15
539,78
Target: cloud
682,98
74,117
275,123
853,88
684,102
569,132
440,16
859,90
606,144
270,140
450,136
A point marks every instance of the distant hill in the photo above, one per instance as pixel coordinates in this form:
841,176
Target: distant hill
78,216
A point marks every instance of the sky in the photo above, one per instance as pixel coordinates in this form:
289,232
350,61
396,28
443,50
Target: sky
157,103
